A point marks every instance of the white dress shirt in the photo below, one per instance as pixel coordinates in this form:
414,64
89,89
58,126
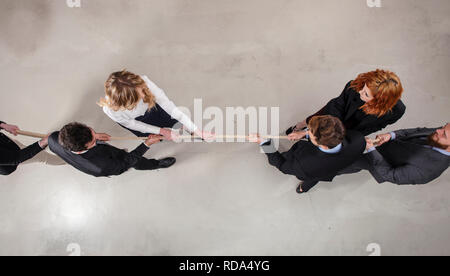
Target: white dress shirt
127,118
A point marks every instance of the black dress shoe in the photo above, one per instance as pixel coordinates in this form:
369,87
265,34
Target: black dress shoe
293,129
290,130
299,187
166,162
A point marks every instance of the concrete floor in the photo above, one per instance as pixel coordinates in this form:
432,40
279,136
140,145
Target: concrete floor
219,199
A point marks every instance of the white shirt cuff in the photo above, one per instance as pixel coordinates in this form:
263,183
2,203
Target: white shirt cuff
393,136
265,141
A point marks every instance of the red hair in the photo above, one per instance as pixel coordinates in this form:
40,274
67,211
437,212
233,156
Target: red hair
386,88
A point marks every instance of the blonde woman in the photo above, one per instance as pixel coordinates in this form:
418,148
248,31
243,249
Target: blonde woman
139,105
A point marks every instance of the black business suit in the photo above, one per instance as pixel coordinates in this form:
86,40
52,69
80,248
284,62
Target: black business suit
11,155
407,159
156,116
346,107
311,165
104,160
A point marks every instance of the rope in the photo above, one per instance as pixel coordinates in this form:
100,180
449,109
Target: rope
31,134
265,137
182,137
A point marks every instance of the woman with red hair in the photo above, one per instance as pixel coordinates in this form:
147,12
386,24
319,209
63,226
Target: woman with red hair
368,104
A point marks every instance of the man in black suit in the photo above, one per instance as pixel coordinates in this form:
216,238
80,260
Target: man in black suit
10,153
407,156
86,150
330,149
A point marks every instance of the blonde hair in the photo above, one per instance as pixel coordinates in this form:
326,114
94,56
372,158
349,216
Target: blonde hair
121,91
386,87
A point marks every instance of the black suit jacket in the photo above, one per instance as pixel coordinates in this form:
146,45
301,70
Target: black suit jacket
405,161
102,160
11,155
309,163
345,106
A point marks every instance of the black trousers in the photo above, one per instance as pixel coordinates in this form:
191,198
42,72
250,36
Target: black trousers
156,117
363,164
8,144
308,185
359,165
145,164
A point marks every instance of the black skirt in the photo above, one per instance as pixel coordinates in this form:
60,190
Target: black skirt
155,117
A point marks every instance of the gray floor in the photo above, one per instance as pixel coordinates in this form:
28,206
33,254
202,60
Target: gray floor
219,199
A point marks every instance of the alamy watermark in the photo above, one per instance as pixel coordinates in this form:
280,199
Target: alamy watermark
235,123
77,3
73,3
374,249
374,3
74,249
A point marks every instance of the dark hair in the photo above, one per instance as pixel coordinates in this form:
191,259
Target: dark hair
435,142
75,136
328,130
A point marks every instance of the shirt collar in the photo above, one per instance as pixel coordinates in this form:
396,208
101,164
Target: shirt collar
441,151
96,143
336,149
82,152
